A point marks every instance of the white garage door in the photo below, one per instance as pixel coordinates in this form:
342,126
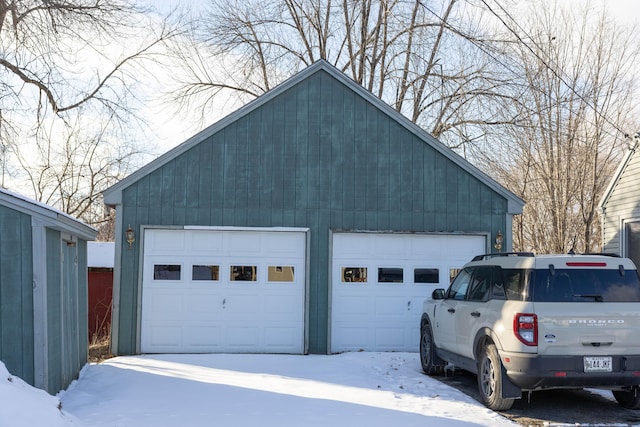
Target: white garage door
240,291
379,282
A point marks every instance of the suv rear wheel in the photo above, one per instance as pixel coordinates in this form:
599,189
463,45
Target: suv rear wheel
490,380
629,399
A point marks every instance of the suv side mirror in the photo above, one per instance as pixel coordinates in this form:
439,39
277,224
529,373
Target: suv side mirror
438,294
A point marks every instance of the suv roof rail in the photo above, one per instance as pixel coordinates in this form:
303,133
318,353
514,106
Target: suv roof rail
501,254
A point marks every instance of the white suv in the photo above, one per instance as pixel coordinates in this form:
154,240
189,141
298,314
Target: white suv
525,322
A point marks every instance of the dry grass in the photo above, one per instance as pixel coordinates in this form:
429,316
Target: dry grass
100,348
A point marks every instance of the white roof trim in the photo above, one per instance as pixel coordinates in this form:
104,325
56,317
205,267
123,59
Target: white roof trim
617,175
113,195
49,215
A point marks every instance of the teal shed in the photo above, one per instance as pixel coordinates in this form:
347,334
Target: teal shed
43,292
315,219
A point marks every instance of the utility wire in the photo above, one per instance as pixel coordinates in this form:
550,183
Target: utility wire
480,46
559,75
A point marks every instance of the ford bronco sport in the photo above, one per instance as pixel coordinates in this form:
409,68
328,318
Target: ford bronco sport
524,322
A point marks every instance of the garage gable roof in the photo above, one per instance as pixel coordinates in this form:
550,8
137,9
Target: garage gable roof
113,195
50,216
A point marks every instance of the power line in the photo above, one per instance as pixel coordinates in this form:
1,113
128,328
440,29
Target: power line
559,75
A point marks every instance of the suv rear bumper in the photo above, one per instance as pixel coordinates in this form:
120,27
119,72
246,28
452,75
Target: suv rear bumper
533,372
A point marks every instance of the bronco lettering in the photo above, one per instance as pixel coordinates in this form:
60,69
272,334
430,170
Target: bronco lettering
596,321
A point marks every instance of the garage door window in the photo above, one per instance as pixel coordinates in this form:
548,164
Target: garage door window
244,273
426,275
279,273
354,274
166,272
205,272
390,275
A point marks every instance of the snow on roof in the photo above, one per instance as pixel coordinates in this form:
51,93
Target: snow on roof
52,215
100,254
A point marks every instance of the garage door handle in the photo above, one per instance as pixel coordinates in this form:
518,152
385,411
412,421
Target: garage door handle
475,314
451,310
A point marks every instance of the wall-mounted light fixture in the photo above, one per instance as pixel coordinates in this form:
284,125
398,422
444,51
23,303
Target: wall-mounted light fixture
498,244
131,236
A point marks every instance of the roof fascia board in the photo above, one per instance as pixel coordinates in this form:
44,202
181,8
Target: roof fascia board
48,215
617,176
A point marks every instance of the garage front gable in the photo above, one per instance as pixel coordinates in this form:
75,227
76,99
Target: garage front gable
319,153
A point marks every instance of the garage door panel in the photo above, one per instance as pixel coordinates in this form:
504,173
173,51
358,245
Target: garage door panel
390,246
166,241
165,336
351,338
210,243
358,247
247,336
379,283
242,244
165,305
351,306
390,307
389,338
201,336
202,305
283,245
280,306
280,337
238,306
207,310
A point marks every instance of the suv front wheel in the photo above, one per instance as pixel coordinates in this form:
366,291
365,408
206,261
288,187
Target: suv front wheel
490,379
431,363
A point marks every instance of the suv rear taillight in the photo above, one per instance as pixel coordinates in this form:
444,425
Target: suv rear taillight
525,327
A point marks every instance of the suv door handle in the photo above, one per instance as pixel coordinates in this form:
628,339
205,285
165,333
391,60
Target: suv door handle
451,310
475,314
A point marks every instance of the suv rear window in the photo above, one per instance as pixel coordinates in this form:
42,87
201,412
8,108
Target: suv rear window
583,285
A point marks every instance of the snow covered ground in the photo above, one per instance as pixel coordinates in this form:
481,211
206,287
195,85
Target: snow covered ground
372,389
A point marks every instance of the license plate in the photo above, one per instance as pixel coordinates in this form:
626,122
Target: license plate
597,364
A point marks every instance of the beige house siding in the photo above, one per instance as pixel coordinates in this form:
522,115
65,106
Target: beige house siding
621,204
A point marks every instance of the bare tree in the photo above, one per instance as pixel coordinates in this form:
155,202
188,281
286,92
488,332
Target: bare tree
536,99
70,163
576,72
69,70
423,58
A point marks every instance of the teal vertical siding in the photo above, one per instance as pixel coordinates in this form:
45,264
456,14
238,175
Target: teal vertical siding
16,293
67,319
83,304
54,311
320,156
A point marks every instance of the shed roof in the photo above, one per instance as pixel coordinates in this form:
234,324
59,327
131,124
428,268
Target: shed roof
101,254
49,215
113,195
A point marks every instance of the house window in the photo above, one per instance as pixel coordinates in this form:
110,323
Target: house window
166,272
453,272
280,273
633,241
426,275
205,272
390,275
244,273
354,274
